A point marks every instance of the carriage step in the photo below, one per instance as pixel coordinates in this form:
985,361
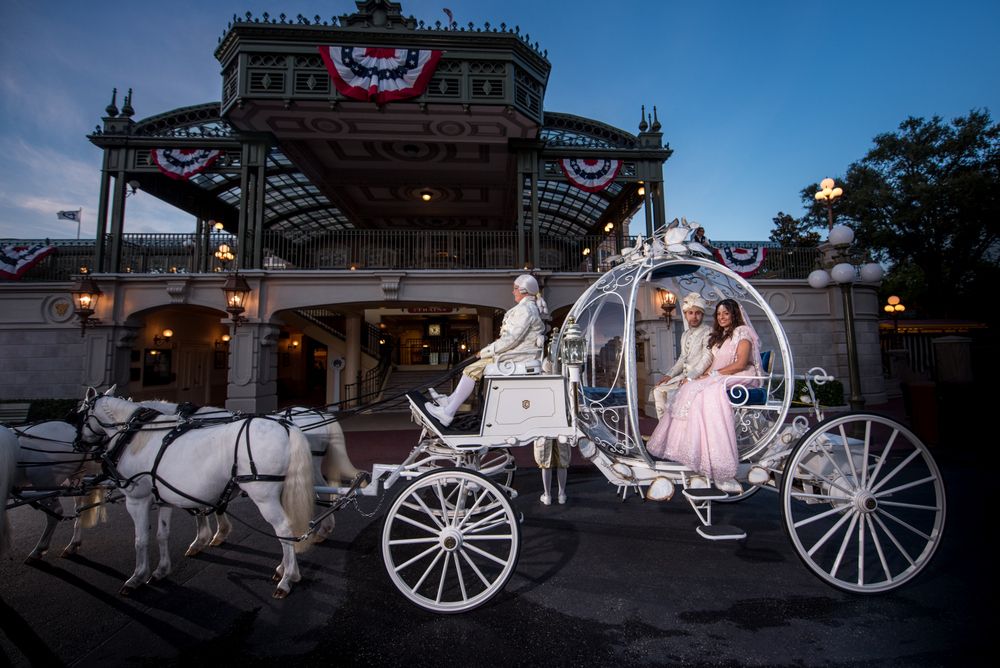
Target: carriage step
721,532
705,494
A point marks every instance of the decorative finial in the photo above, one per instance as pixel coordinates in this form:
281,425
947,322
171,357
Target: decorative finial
656,121
127,110
642,120
112,109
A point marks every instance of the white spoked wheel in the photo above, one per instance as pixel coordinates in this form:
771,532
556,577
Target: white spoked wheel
863,502
451,540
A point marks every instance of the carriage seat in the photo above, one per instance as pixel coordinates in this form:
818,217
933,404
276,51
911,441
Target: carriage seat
758,395
505,367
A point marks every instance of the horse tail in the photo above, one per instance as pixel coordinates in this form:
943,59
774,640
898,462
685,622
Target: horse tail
337,465
96,512
9,448
297,495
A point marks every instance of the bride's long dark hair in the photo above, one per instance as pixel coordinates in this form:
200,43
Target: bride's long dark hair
719,335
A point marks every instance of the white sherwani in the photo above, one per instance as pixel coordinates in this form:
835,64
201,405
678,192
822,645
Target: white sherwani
694,359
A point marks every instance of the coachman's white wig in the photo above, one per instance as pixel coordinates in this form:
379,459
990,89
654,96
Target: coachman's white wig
527,284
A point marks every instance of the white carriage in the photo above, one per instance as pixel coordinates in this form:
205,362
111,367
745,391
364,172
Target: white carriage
861,498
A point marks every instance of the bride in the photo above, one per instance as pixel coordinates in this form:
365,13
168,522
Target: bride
697,428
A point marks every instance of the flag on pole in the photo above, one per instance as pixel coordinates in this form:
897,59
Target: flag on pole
70,215
451,17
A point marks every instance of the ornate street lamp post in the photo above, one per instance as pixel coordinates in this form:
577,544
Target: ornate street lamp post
828,194
838,268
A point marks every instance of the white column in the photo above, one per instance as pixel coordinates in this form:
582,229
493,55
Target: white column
253,369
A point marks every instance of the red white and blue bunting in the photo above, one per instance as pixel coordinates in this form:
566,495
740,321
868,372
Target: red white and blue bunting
590,174
744,261
379,74
183,163
15,260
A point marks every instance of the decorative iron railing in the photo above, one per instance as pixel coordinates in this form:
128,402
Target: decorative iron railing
347,250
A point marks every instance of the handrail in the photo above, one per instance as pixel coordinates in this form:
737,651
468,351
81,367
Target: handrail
346,250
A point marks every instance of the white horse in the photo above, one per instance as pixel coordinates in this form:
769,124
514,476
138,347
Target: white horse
47,459
330,461
272,465
9,448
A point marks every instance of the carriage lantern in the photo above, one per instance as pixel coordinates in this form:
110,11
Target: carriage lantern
574,348
86,294
237,290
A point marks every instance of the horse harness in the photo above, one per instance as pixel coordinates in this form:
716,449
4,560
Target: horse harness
142,417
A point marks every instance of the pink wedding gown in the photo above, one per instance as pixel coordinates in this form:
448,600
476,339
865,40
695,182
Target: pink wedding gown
697,428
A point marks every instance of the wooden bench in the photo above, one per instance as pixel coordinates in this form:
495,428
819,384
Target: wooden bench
14,413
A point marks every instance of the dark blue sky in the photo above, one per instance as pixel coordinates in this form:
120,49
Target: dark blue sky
757,99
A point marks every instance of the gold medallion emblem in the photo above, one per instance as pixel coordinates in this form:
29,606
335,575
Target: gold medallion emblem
525,404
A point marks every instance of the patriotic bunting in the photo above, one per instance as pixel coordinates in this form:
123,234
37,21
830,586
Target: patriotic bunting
744,261
590,174
15,260
183,163
379,74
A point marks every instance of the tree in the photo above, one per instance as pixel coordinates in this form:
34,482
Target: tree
790,231
926,201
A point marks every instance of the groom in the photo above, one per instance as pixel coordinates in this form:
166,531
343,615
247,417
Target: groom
695,357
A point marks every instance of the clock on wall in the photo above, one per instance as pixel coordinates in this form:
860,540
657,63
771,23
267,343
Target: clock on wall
434,329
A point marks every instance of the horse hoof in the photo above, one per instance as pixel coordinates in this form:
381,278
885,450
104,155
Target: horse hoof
216,542
70,550
276,577
126,591
279,593
32,559
191,551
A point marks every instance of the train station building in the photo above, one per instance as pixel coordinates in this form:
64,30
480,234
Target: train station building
360,198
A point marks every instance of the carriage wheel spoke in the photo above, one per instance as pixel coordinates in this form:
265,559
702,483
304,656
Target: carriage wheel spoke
915,506
484,553
413,541
806,495
899,467
461,578
492,536
836,466
901,522
459,505
472,510
415,559
878,548
843,545
475,568
444,573
847,451
478,526
819,516
427,510
889,492
428,571
417,524
865,451
444,505
884,456
830,532
831,483
894,541
861,551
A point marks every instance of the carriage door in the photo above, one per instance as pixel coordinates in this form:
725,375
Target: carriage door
193,369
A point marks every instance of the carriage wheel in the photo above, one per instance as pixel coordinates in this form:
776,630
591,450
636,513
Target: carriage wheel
451,540
863,502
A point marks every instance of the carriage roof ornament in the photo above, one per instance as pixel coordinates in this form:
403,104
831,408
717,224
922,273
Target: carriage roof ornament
678,239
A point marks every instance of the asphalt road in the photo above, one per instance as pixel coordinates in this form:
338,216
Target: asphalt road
598,581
